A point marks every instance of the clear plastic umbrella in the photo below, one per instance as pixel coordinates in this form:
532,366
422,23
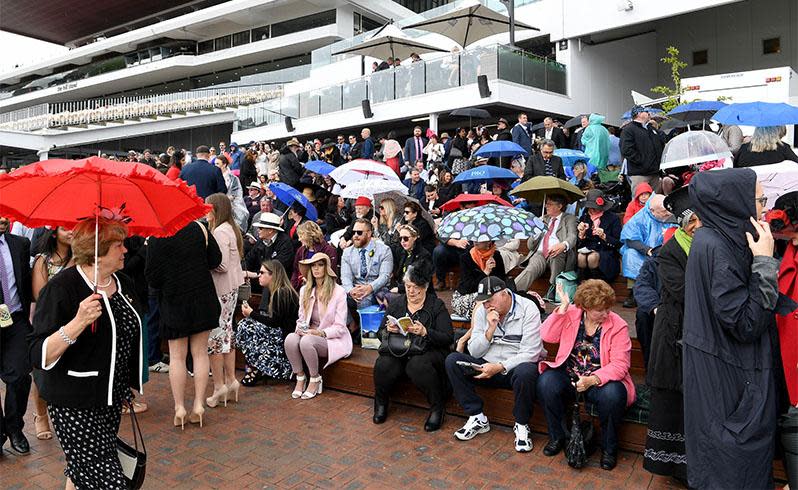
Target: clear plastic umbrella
695,147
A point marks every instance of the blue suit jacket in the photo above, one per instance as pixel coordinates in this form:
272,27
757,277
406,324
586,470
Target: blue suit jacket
522,138
367,150
206,178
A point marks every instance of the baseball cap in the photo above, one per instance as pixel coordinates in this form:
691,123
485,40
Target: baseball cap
488,287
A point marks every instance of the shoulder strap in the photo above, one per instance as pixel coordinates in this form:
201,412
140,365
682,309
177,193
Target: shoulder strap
204,232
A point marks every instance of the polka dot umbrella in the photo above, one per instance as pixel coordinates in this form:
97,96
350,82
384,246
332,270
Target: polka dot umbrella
490,222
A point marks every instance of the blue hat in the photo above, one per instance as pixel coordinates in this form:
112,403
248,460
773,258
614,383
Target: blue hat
638,109
233,143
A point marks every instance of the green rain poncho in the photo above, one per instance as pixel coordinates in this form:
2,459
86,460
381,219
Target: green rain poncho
596,140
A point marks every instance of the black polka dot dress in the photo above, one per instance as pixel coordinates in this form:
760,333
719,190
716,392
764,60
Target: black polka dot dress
88,435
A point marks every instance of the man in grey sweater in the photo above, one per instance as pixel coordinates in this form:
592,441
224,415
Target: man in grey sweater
505,348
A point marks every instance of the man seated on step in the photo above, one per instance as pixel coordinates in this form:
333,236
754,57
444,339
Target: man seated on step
505,349
553,250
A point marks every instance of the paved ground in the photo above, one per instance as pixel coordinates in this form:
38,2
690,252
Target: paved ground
269,440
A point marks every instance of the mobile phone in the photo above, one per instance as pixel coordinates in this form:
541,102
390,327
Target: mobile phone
244,303
469,368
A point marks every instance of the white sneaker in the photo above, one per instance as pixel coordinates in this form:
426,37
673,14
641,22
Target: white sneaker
160,367
523,443
472,428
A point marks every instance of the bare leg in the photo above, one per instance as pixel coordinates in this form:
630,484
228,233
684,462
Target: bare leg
178,349
593,260
41,419
199,352
581,260
217,371
71,486
229,367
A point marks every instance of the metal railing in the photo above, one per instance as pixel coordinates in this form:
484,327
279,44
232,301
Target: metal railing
103,110
422,77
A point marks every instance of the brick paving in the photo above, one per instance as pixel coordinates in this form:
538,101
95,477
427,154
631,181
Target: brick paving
269,440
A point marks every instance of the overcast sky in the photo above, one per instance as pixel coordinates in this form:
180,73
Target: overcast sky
24,50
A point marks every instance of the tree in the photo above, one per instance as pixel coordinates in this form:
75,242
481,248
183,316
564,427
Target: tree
673,93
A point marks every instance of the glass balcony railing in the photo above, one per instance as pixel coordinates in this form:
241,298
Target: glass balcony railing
453,70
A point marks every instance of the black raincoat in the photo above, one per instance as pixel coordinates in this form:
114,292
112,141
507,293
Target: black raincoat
728,376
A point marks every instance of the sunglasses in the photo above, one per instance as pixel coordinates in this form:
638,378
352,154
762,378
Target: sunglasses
763,201
407,211
405,238
358,232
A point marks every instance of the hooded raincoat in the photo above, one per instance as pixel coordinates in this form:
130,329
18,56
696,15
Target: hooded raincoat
644,228
596,140
729,340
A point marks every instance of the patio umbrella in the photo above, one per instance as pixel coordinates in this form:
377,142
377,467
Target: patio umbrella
569,157
574,121
370,187
362,169
537,188
468,23
485,173
480,199
700,110
400,199
390,41
288,196
694,147
319,167
490,222
497,149
777,179
758,114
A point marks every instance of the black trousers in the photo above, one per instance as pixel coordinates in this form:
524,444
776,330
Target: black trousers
426,372
15,372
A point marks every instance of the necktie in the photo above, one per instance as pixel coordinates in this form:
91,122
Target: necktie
4,275
419,154
549,170
546,237
364,268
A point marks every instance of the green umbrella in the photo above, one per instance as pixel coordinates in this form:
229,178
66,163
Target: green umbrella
537,189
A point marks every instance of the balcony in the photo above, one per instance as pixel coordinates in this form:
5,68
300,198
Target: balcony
449,71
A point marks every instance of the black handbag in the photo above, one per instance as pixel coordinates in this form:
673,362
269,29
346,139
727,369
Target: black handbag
399,345
788,424
133,461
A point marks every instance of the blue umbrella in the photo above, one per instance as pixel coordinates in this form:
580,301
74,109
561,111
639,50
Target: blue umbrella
699,110
288,196
569,157
496,149
319,167
651,110
759,114
484,173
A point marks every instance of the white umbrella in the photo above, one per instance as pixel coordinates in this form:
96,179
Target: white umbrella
777,179
390,41
361,169
469,23
694,147
369,187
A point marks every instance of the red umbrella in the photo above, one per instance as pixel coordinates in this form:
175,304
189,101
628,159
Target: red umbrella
479,199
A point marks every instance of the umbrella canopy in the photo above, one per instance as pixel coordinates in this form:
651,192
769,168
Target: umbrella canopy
670,124
700,110
496,149
401,199
537,188
361,169
574,121
694,147
470,112
390,41
535,127
61,192
370,187
480,199
469,23
485,173
288,196
391,148
759,114
319,167
651,110
569,157
777,179
490,222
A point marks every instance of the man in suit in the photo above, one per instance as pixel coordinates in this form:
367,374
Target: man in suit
204,176
544,163
15,368
414,147
520,134
432,202
415,184
555,249
550,132
367,146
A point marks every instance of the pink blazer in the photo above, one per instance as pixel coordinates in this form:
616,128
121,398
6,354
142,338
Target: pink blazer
333,322
616,346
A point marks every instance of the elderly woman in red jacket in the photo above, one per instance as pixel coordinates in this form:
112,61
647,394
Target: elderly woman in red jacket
594,356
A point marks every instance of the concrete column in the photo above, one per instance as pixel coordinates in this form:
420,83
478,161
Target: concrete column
433,122
43,155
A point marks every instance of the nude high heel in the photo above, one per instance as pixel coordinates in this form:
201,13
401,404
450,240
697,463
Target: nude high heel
196,417
213,400
233,388
307,395
180,417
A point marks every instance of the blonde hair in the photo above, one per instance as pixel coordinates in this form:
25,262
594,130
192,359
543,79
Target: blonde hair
110,231
223,213
309,233
767,138
325,290
390,212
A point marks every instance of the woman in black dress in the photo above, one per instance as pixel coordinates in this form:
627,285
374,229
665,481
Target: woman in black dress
85,370
599,239
413,216
261,334
179,268
481,261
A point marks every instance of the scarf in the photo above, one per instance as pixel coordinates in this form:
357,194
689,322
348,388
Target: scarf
481,257
595,218
684,240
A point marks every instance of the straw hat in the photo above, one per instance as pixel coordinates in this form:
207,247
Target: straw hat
304,265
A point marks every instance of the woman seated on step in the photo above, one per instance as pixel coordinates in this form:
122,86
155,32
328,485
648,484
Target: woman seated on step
481,261
321,327
422,360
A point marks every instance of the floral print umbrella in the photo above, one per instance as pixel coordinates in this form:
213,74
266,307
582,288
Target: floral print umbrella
491,222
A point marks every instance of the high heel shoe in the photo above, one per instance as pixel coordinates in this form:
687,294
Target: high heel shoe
233,388
180,417
298,393
213,400
307,395
196,417
42,424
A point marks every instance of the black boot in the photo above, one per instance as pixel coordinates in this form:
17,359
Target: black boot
630,302
608,460
434,420
380,411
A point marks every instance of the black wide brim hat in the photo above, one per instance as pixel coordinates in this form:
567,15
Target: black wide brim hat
678,202
595,199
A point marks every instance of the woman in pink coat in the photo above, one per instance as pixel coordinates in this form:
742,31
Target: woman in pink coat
594,356
321,327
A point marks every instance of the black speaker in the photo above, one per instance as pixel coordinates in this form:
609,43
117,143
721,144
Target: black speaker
289,126
484,90
367,109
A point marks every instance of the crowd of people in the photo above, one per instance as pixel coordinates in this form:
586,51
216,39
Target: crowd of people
715,358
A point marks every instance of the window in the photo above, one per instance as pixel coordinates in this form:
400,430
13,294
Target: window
261,33
771,46
358,23
223,42
241,38
303,23
700,57
204,47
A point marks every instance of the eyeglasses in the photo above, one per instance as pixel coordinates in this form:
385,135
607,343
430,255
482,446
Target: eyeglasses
763,201
358,232
405,238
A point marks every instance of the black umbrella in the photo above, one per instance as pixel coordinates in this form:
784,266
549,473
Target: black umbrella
671,124
470,112
574,121
536,127
581,436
